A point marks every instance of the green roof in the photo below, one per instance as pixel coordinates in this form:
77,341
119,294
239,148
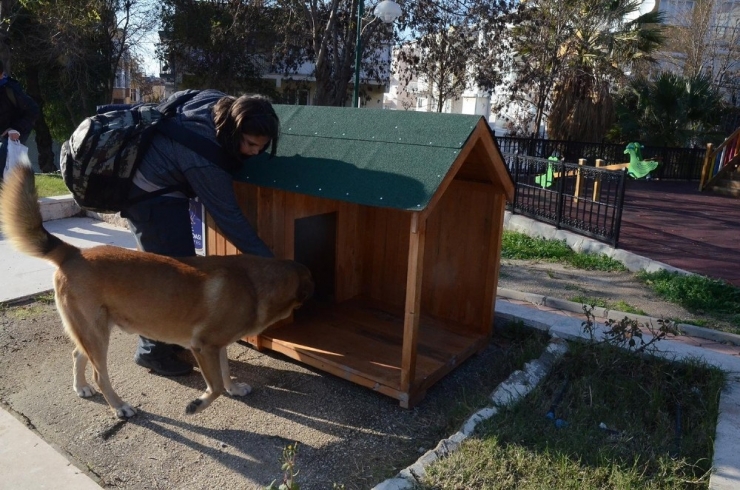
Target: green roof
374,157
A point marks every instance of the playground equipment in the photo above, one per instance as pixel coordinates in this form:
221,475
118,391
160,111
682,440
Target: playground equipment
720,163
637,168
545,180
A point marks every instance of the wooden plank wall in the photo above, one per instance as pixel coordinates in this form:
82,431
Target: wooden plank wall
460,254
385,254
458,242
273,214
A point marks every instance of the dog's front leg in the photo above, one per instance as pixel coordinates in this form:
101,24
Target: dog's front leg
232,387
210,366
80,384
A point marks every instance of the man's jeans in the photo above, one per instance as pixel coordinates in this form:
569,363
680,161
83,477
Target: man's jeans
161,225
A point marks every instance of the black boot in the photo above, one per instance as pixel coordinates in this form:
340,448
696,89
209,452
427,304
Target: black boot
160,358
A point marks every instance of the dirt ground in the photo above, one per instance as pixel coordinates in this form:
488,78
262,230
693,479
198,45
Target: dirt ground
347,434
565,282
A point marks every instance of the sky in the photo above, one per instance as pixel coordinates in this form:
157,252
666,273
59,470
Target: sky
148,46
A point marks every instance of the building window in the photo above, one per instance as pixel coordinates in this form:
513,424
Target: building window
296,97
421,102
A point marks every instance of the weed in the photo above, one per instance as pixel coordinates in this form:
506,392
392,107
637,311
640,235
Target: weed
287,461
25,312
625,308
628,332
620,305
589,300
46,298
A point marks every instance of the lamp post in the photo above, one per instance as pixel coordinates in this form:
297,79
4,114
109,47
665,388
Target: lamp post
387,11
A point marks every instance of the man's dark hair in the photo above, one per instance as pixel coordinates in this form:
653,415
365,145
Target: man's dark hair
249,114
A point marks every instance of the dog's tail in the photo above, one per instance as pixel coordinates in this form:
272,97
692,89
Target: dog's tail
20,218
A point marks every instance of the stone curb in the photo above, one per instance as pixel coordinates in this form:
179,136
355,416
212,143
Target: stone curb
518,385
562,304
60,207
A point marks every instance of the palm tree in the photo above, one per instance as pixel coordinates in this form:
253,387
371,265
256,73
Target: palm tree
671,110
602,46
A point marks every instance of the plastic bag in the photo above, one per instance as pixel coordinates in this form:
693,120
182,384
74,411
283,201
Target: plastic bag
17,153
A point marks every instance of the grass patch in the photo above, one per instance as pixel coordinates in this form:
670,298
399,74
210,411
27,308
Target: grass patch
632,422
25,312
51,184
617,305
46,298
696,293
520,345
589,300
520,246
701,295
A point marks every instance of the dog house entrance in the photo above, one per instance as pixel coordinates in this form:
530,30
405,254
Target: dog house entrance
316,248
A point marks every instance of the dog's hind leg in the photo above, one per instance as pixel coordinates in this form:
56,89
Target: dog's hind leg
232,387
80,384
92,337
210,366
79,358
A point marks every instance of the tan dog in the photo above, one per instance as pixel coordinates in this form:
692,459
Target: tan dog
201,303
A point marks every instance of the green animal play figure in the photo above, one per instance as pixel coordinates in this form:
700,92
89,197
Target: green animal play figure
638,168
545,180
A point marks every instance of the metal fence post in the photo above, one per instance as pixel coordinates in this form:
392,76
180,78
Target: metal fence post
620,204
516,182
561,186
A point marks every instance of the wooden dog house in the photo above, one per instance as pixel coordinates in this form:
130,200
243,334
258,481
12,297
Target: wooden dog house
399,217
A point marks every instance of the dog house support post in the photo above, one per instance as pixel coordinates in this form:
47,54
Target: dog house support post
494,261
413,304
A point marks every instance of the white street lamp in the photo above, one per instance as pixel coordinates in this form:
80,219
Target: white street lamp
387,11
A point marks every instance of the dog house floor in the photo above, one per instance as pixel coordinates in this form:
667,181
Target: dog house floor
362,342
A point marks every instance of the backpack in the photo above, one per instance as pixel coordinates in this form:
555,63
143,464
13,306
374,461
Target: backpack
100,159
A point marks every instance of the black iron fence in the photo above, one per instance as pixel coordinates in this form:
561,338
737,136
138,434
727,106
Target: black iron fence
580,198
675,163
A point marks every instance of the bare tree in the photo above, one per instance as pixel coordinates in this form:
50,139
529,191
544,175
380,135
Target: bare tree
217,44
67,53
536,62
458,45
704,38
324,33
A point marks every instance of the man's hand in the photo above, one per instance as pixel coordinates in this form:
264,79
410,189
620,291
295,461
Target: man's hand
12,134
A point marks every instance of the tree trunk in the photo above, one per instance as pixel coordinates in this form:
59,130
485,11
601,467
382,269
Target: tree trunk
43,135
6,7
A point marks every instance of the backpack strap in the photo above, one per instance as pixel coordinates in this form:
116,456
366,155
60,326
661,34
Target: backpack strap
169,127
190,139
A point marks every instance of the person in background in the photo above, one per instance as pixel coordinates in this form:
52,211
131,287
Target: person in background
243,127
18,114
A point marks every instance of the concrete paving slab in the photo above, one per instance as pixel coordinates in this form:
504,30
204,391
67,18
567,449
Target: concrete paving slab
23,275
28,462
